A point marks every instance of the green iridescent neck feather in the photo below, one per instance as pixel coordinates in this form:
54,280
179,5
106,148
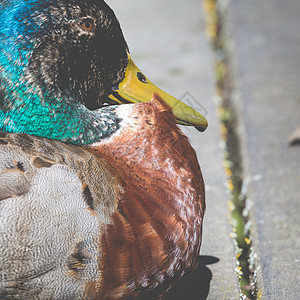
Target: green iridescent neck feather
52,72
73,124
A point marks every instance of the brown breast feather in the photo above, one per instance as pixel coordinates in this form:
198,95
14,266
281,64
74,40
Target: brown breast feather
155,234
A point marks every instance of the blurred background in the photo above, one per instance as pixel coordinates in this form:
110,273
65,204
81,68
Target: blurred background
238,62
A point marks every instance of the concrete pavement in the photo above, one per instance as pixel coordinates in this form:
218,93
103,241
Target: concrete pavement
267,59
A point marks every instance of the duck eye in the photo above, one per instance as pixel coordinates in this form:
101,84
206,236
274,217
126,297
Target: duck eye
141,77
87,24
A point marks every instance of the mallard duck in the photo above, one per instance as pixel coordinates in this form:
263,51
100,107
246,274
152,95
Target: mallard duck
96,201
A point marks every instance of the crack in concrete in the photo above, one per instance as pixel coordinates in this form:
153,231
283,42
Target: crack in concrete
226,95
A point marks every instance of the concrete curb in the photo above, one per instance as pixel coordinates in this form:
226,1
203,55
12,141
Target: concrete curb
266,56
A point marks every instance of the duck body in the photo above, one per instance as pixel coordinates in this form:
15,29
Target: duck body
112,220
95,202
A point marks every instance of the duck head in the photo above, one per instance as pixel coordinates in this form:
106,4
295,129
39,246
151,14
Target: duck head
59,61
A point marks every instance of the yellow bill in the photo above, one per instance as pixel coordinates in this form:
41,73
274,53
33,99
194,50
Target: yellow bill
136,88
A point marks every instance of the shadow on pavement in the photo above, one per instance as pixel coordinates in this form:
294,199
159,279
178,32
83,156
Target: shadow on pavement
199,284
